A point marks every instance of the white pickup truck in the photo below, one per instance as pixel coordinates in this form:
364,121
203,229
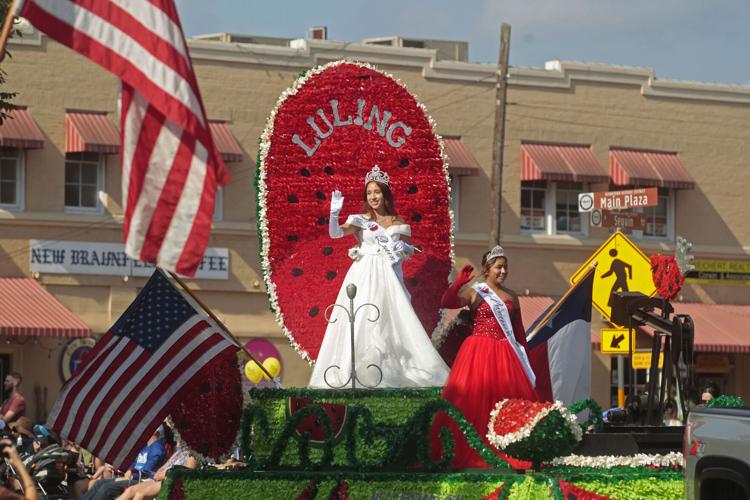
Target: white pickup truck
717,454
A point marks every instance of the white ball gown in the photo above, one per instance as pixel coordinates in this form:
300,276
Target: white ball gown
396,342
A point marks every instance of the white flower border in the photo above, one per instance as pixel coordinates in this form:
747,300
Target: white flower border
265,146
672,459
505,440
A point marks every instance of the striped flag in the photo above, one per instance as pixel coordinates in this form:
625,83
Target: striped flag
559,345
135,373
170,167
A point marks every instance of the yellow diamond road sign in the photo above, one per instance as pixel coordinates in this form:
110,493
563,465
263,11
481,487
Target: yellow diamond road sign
621,266
617,340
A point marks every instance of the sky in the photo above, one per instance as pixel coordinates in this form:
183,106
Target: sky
696,40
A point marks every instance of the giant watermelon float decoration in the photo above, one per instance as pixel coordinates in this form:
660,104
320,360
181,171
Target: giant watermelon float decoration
328,130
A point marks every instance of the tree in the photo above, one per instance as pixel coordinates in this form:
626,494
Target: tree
5,97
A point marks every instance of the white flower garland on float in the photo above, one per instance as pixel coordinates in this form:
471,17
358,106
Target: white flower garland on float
672,459
265,146
502,441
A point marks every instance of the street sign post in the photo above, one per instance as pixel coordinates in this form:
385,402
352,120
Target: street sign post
621,266
616,340
618,200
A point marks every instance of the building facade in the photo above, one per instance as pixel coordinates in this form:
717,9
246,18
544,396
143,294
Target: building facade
571,128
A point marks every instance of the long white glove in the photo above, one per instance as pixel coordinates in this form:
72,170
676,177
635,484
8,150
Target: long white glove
337,203
406,250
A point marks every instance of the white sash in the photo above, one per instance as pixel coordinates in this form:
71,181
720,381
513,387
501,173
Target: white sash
500,310
382,238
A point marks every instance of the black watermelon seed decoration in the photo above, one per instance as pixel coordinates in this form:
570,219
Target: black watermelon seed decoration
412,189
292,198
314,311
304,172
322,221
320,195
330,275
297,271
327,251
416,217
328,170
291,237
404,162
413,281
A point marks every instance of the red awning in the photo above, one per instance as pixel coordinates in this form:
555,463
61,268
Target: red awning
460,159
90,131
27,309
20,131
648,169
717,327
554,162
225,141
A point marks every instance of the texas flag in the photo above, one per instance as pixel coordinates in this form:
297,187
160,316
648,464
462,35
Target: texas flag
559,345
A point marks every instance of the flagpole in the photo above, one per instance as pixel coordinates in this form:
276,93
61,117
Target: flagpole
7,26
224,327
547,316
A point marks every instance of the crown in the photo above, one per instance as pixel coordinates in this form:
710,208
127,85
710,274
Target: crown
497,251
377,175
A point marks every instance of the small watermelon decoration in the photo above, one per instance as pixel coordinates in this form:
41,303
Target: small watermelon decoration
533,431
316,432
208,415
327,131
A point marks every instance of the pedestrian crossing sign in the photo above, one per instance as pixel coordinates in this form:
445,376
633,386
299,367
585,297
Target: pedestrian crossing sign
621,266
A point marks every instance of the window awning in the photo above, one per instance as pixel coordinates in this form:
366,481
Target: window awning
460,159
225,141
20,131
90,131
648,169
556,162
717,327
27,309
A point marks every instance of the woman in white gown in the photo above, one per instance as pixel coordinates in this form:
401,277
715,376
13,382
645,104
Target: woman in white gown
396,342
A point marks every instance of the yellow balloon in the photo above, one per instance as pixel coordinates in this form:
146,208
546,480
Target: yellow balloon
253,372
273,366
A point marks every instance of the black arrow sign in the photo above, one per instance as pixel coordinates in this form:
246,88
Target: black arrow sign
615,344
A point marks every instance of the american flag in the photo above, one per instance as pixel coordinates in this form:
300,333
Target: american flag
135,373
170,167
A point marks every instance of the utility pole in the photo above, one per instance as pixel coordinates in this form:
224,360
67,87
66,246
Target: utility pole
498,143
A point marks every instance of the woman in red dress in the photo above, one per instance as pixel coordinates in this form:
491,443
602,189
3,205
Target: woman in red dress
491,364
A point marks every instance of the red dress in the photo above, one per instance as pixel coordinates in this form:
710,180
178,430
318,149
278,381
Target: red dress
486,370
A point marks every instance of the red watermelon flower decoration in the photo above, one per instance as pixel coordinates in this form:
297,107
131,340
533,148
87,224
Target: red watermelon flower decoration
327,131
533,431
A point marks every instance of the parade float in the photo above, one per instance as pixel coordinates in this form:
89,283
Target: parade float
326,132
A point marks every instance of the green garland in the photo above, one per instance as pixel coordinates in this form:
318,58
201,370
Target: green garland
550,438
611,474
595,413
368,445
620,482
637,489
726,401
272,485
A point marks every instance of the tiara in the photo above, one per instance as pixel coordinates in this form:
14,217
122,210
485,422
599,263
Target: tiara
497,251
377,175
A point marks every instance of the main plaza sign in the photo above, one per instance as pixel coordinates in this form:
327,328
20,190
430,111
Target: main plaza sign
618,200
89,257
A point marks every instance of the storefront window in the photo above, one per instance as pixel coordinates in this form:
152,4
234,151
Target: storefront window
552,208
84,178
11,178
533,194
657,218
566,207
